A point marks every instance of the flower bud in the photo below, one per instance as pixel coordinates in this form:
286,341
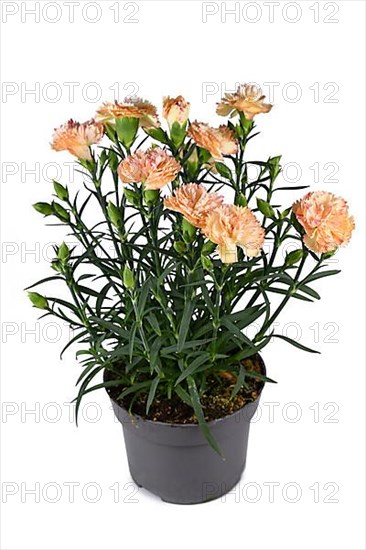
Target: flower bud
114,214
175,110
131,196
274,166
151,196
223,170
63,253
180,247
294,256
241,200
265,208
128,278
113,160
57,266
43,208
193,163
126,128
61,191
206,263
208,248
189,231
38,300
60,212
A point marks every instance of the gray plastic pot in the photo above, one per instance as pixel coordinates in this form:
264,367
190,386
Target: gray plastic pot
175,462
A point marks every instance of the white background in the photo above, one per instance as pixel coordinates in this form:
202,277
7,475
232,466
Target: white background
312,53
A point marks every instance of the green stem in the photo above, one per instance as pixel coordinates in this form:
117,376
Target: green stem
273,317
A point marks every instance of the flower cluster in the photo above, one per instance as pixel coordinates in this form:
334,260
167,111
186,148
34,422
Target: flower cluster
324,217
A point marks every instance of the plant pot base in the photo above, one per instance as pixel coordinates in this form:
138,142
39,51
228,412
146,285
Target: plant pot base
176,463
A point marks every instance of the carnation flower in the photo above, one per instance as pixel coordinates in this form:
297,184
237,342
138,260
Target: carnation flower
175,110
247,99
131,107
230,226
194,202
218,141
154,168
325,219
76,138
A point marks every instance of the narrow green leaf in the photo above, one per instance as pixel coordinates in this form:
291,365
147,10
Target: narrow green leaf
135,388
258,376
131,341
83,390
237,332
294,343
293,295
143,297
310,291
183,395
198,411
154,323
188,345
152,392
248,352
239,382
193,366
53,278
112,327
320,275
184,324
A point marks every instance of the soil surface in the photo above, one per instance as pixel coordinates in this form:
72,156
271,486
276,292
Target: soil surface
216,400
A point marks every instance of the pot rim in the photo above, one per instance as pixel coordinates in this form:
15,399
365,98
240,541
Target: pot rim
191,425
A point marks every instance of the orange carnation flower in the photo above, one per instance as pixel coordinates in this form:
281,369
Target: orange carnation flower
218,141
132,107
77,138
230,226
154,168
194,202
247,99
175,110
326,221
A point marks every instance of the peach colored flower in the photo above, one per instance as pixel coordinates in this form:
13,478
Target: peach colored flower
154,168
131,107
218,141
230,226
194,202
76,138
325,219
175,110
247,99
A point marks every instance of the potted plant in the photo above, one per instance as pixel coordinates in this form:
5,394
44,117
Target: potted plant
167,273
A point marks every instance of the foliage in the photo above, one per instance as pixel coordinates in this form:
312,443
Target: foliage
150,301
